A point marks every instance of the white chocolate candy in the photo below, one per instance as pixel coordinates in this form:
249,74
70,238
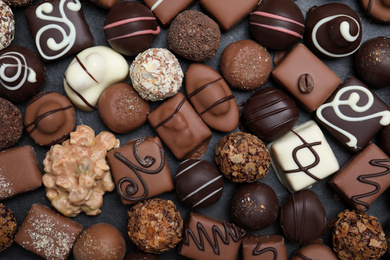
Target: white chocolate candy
91,72
302,157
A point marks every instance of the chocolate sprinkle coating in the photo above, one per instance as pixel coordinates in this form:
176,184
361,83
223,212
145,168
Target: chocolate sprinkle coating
11,124
7,227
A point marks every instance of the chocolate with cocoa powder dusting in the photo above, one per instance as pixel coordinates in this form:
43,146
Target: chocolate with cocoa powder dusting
7,227
358,236
11,124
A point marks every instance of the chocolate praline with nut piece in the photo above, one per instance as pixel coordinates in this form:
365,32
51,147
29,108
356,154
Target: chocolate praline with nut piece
11,124
242,157
8,227
254,206
7,26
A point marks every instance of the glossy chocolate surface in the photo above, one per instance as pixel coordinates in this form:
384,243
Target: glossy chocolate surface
265,247
166,10
313,251
377,10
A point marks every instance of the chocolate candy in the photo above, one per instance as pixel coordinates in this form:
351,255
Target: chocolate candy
303,217
384,139
302,157
333,30
245,65
18,3
49,118
372,62
316,76
8,227
166,10
277,24
205,237
363,178
194,36
377,10
11,124
7,27
58,28
254,206
199,184
211,97
140,169
228,13
139,255
353,114
47,233
106,4
22,74
267,247
90,73
100,241
130,28
315,250
269,113
122,109
180,128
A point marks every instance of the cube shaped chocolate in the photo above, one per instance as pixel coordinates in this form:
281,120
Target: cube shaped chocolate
264,247
165,11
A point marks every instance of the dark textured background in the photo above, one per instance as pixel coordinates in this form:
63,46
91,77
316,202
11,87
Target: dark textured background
113,211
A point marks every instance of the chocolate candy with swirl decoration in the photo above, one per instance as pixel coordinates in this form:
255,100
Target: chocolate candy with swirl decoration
22,73
267,247
333,30
140,170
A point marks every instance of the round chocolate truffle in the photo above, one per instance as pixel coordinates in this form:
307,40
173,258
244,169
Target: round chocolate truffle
245,65
357,235
49,118
194,36
333,30
277,24
156,74
377,10
254,206
122,109
7,25
269,114
139,255
22,74
155,225
372,62
100,241
199,184
8,227
303,217
11,124
130,28
316,250
242,157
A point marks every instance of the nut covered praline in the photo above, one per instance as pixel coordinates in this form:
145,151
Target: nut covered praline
7,25
7,227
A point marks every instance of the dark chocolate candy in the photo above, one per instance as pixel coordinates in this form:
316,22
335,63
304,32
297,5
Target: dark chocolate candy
353,114
211,97
180,128
384,139
378,10
264,247
58,28
254,206
205,237
106,4
317,251
333,30
372,62
140,169
130,28
49,118
11,124
269,113
303,217
277,24
22,73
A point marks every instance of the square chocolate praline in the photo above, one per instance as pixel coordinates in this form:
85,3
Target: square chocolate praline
363,178
58,28
299,61
166,10
205,237
353,114
266,247
47,233
140,170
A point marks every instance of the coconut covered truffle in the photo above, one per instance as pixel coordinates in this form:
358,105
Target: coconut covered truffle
7,25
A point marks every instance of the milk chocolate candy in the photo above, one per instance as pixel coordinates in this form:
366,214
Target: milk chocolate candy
353,114
180,128
265,247
140,169
58,28
363,178
316,250
205,237
19,171
47,233
378,10
211,97
301,63
106,4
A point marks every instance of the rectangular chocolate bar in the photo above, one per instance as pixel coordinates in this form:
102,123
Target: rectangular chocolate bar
264,247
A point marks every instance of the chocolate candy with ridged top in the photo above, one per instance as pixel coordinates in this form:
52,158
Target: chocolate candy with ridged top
269,113
277,24
333,30
199,184
130,28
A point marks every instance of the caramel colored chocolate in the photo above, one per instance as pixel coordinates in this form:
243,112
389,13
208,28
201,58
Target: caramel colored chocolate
315,250
211,97
264,247
166,10
378,10
140,169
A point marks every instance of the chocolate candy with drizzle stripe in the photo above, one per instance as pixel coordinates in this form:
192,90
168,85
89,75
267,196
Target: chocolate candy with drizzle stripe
267,247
